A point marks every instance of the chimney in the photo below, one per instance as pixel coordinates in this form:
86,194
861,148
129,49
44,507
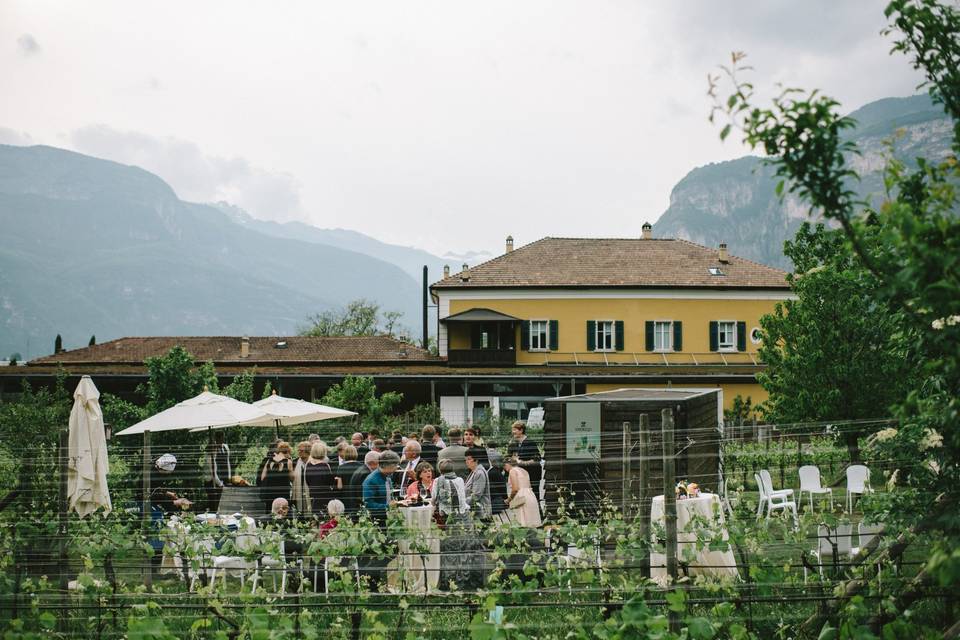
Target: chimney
647,233
466,267
722,253
465,273
245,347
446,271
509,244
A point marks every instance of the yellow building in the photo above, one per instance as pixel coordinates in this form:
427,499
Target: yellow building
614,312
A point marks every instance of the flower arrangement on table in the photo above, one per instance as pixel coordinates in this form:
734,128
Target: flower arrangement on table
687,490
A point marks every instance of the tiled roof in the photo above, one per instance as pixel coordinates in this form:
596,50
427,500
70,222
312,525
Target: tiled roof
615,262
226,349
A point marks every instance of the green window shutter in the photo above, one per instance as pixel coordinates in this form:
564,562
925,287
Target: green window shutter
677,335
554,335
741,336
525,335
591,335
714,336
618,335
648,333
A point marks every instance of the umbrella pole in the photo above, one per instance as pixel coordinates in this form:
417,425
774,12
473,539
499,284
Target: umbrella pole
147,513
276,426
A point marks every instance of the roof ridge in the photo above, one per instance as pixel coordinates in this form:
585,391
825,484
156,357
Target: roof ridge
732,255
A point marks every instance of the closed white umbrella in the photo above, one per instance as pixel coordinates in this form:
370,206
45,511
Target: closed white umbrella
87,465
284,412
207,410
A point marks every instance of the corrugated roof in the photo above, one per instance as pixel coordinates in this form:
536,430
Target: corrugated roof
634,394
615,262
226,349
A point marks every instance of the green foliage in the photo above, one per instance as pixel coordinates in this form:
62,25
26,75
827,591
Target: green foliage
172,379
741,412
241,387
359,393
58,344
93,341
14,358
360,317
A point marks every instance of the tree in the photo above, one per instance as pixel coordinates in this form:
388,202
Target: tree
14,358
93,340
910,244
57,344
241,387
175,377
359,393
359,318
833,353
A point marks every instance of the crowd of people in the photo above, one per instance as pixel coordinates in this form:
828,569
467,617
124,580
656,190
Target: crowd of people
462,477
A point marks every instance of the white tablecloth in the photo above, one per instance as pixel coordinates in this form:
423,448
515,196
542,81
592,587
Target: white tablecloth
420,551
703,561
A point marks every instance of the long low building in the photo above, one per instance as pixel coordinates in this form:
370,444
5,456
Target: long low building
560,316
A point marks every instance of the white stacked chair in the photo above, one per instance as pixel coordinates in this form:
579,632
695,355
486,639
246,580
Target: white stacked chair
858,483
774,500
246,540
810,484
824,550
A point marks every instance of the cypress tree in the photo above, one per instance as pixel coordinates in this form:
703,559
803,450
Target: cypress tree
93,341
58,344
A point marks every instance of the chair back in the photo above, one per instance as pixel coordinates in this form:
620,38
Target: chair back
767,481
247,536
763,493
809,478
844,539
867,532
824,544
857,478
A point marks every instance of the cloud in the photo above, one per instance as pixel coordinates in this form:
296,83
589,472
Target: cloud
194,175
11,136
28,45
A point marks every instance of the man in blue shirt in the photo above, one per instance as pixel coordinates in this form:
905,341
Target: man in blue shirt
378,487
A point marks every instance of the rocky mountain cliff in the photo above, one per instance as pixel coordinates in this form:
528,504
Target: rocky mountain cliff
95,247
735,202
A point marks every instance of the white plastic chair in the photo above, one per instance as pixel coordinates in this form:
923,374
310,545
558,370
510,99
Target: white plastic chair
845,546
246,540
765,476
824,550
774,500
858,482
866,533
810,483
273,563
330,562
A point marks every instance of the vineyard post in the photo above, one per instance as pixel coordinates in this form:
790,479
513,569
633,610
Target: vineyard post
62,460
670,503
642,495
627,457
146,511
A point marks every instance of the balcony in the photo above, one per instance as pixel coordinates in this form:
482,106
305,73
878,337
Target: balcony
482,357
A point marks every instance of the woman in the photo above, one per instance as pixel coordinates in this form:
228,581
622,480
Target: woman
321,479
498,486
477,486
450,496
422,489
335,509
276,476
523,505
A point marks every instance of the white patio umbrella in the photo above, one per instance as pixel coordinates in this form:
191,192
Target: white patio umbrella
207,410
284,412
87,454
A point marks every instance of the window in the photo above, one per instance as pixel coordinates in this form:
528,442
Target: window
539,335
716,271
755,336
605,335
663,336
727,336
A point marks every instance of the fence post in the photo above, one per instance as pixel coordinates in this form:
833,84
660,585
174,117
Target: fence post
146,512
670,503
62,455
783,461
643,446
627,459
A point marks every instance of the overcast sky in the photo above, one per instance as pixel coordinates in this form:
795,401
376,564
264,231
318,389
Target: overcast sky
445,125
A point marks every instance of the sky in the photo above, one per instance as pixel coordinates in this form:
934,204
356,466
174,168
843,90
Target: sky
443,125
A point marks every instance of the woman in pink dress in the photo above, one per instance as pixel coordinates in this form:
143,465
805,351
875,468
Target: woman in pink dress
423,487
522,501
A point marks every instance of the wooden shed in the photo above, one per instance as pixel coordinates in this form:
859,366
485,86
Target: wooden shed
585,438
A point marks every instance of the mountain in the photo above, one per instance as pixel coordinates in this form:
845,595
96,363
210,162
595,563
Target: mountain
409,259
735,201
91,246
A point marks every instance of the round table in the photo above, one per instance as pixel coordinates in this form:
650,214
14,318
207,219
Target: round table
703,561
420,549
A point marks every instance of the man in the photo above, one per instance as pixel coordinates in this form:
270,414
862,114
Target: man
428,450
300,491
437,440
469,437
359,444
370,462
345,472
528,455
372,436
477,487
162,494
378,487
217,469
455,453
411,458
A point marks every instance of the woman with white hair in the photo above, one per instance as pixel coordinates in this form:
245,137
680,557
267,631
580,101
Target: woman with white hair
321,480
335,509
